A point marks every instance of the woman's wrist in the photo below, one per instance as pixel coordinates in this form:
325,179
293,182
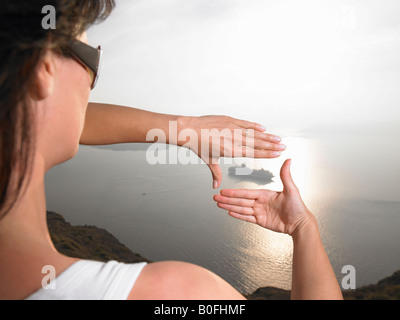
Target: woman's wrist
306,228
184,122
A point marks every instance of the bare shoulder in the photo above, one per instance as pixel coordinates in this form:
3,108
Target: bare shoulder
173,280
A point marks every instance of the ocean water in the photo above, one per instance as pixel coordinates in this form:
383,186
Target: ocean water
351,182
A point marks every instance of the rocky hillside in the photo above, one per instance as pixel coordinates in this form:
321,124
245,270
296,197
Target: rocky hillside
386,289
88,242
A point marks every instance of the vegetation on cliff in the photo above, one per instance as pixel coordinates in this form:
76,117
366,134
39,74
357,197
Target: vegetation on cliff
88,242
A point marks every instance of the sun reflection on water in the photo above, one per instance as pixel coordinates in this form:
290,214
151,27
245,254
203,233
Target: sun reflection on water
298,149
275,249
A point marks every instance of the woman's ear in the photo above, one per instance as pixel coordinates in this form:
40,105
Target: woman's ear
43,85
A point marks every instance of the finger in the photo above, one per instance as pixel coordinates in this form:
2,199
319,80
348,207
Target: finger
249,125
246,218
286,177
216,174
257,153
241,193
234,201
262,136
264,145
237,209
261,144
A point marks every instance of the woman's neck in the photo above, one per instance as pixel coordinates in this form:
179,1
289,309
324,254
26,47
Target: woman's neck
25,243
26,222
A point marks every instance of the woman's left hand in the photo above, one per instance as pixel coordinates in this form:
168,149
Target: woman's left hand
223,136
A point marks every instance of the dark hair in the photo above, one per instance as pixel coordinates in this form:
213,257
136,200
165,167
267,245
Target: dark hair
23,42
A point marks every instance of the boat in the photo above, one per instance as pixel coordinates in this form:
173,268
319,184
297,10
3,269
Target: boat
253,175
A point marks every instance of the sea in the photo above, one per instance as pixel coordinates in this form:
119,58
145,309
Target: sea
348,178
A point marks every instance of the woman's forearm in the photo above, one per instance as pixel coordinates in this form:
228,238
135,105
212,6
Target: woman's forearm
313,277
109,124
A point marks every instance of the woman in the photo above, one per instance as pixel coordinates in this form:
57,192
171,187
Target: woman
45,80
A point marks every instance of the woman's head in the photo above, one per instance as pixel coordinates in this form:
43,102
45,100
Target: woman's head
43,89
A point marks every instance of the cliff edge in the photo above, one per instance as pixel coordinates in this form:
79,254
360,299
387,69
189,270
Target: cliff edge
88,242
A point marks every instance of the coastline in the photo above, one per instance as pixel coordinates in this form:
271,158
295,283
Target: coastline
90,242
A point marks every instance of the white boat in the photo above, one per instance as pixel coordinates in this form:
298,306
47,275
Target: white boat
255,175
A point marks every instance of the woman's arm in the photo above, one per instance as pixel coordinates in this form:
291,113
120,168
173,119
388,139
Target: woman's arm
285,212
109,124
312,277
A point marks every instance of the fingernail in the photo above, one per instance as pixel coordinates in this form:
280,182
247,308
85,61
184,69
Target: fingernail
215,184
277,139
262,128
282,147
276,153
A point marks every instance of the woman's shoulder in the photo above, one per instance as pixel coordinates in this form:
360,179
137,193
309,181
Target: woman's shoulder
174,280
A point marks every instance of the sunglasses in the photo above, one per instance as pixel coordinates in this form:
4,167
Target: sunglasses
88,56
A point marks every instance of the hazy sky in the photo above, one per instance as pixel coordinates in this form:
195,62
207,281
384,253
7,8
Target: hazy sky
284,63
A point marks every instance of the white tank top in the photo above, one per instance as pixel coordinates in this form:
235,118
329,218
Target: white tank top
92,280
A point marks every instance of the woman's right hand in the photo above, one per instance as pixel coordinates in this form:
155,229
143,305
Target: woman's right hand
283,212
312,273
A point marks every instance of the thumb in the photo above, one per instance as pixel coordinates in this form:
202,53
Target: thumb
216,174
286,177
